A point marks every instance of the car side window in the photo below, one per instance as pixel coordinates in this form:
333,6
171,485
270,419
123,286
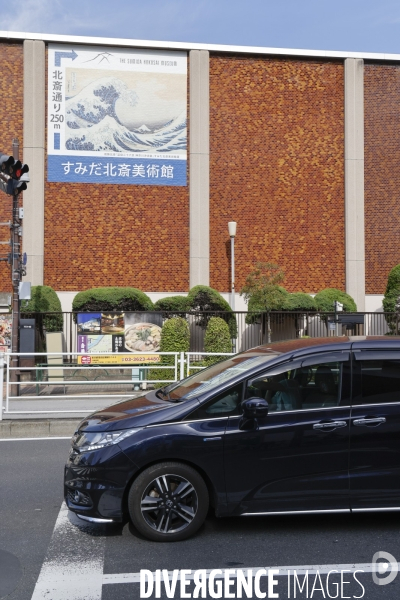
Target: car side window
299,388
225,404
379,381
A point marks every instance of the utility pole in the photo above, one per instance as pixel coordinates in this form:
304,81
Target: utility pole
15,277
11,171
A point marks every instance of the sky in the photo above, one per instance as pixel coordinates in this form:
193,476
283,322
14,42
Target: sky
346,25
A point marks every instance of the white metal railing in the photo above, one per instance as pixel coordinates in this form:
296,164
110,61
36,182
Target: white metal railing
69,372
197,357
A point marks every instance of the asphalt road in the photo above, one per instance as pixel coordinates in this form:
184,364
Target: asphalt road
45,553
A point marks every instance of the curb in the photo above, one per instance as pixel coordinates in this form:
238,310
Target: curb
38,428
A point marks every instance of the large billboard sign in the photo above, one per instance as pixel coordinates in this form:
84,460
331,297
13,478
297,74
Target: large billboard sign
116,115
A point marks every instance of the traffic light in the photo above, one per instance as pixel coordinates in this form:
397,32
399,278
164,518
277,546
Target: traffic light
11,171
20,170
12,187
6,164
11,167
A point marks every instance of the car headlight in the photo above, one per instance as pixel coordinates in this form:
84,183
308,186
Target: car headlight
86,442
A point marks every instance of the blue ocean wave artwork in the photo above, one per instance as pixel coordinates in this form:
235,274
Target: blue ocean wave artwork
93,124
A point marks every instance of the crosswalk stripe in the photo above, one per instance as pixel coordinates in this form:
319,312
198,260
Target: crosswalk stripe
73,567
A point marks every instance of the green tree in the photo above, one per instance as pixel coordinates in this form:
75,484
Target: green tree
262,291
205,300
391,302
44,300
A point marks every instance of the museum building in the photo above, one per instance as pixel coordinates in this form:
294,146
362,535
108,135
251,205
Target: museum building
141,152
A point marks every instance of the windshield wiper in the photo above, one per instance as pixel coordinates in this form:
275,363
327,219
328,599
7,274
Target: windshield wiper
162,395
165,396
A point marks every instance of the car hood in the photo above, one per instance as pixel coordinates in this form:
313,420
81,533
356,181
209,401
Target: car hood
136,412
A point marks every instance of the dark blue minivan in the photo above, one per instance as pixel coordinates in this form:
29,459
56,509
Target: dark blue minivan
308,425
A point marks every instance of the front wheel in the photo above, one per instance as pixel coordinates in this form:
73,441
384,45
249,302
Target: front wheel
168,502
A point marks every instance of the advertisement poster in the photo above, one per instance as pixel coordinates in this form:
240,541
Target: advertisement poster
142,336
89,322
5,332
125,333
117,115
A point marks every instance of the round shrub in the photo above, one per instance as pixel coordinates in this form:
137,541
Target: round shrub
45,300
175,337
217,339
299,301
325,300
205,299
173,306
112,299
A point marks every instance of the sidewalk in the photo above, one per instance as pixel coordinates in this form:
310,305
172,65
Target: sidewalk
36,428
39,416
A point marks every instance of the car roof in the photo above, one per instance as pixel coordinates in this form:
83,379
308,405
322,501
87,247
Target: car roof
302,346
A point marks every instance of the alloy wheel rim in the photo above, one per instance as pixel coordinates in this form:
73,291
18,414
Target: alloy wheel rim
169,504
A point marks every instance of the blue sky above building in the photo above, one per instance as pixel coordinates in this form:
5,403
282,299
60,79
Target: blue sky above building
348,25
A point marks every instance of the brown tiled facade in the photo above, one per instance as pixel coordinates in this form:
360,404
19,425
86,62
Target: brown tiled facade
103,235
277,168
11,119
382,173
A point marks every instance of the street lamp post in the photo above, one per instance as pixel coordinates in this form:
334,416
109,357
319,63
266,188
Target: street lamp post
232,233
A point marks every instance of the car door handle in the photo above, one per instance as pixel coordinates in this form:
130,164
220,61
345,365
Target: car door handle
330,425
365,422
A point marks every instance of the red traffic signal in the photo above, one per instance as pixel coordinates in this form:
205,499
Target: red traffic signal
11,167
19,169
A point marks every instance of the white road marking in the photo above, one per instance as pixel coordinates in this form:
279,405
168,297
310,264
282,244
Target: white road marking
283,571
73,567
33,439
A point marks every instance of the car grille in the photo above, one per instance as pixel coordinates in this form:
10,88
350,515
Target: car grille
79,498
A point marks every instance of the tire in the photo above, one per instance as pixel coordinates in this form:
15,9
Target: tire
168,502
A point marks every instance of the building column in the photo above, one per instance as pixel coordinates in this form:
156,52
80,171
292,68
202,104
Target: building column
33,155
199,221
354,179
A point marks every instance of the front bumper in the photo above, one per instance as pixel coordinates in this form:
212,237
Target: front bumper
95,483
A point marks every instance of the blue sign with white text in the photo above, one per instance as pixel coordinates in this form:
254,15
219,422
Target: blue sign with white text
142,171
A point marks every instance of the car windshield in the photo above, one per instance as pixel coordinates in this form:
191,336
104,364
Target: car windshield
212,377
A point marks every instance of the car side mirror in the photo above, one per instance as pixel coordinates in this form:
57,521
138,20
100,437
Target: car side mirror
255,408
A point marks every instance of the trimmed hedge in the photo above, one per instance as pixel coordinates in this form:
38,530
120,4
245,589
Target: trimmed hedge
44,300
112,299
217,339
299,301
175,337
205,299
172,306
325,299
